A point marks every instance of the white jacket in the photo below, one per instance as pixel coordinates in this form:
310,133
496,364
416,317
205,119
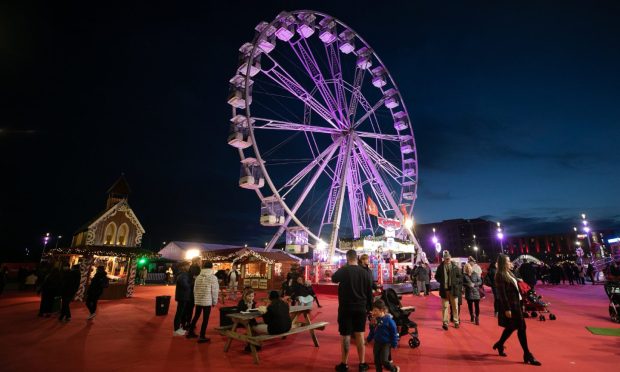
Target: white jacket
206,288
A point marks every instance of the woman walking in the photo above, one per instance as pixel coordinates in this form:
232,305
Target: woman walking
510,315
472,282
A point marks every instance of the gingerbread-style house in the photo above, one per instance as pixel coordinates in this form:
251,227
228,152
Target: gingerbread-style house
112,239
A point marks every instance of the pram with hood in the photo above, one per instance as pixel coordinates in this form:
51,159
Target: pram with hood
533,304
400,314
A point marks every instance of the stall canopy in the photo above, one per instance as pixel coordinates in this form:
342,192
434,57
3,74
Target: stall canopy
177,250
526,257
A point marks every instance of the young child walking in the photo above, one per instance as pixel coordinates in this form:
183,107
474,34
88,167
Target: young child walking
385,334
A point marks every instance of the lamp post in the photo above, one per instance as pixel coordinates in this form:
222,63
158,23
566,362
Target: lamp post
500,236
58,240
586,229
46,240
475,247
437,246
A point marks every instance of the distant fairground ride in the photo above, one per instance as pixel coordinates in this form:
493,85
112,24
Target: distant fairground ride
317,117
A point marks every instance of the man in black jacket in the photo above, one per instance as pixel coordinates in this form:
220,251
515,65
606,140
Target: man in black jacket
450,281
182,294
70,283
277,318
95,290
354,303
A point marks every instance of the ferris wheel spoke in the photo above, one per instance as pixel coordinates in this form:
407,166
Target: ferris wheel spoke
368,113
275,124
327,153
304,194
305,56
387,166
281,77
333,59
370,180
356,199
356,91
366,158
381,136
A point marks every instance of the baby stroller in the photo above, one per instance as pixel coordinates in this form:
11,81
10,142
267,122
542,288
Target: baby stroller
612,289
401,316
533,304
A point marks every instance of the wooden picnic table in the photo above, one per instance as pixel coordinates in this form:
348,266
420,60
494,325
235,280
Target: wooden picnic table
242,320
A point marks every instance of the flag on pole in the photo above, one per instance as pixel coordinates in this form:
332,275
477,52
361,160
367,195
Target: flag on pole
371,207
403,208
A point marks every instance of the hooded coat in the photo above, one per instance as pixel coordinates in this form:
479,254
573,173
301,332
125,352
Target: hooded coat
206,288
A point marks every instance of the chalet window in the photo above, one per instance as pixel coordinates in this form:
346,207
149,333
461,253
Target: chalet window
110,234
123,232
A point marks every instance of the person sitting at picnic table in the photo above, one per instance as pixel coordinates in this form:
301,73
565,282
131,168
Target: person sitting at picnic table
247,302
302,293
276,316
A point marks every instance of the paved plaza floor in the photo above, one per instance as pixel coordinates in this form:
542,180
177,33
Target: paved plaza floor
127,336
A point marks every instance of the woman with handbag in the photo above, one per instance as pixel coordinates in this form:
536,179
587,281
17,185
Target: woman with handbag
510,314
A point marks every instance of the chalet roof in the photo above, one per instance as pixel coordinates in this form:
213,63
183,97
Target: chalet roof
232,253
101,215
120,186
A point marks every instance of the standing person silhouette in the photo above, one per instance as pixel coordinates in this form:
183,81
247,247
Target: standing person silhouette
510,315
354,303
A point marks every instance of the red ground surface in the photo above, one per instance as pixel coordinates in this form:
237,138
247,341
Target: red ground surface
127,336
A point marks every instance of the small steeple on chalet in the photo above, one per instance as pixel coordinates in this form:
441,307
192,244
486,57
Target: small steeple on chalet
119,191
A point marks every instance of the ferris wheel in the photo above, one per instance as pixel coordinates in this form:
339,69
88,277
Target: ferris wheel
321,130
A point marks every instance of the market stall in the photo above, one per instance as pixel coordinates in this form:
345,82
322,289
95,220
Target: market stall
261,270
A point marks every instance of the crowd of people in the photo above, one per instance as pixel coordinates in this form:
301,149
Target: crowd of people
198,286
355,302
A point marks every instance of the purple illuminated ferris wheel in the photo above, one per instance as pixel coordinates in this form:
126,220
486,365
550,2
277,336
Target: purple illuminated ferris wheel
320,126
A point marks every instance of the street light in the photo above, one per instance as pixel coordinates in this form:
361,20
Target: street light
58,240
46,240
475,247
500,236
437,246
409,223
586,229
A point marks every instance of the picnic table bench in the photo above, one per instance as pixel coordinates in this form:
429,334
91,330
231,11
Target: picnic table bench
242,320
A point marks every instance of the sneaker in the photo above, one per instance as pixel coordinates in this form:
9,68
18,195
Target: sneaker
445,327
91,316
202,340
342,367
456,325
179,332
364,367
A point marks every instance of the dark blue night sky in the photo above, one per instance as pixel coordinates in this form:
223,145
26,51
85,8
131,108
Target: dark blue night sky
515,108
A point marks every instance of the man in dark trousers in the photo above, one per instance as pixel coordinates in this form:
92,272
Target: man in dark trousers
194,271
181,296
70,283
354,303
95,290
450,280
